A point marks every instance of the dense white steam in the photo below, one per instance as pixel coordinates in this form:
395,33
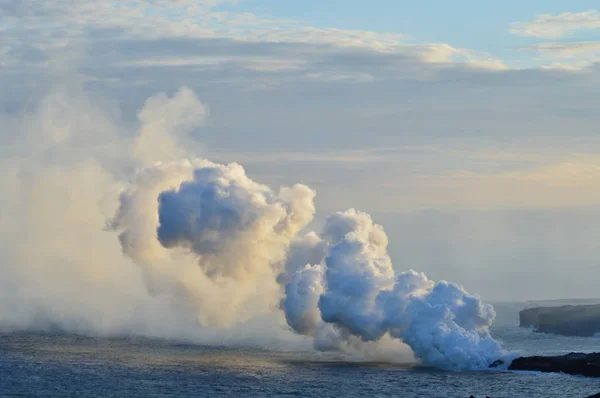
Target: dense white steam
209,234
231,223
354,288
187,248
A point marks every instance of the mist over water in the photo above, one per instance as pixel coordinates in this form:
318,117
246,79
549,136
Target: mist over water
108,234
51,365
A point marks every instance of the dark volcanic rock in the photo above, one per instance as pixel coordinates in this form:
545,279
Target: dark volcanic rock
568,320
573,364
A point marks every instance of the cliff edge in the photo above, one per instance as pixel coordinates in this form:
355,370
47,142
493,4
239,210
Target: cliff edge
567,320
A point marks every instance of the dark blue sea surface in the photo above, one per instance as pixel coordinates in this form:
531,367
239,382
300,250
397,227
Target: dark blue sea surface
63,365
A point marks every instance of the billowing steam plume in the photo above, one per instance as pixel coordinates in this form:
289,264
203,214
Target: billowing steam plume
353,287
203,251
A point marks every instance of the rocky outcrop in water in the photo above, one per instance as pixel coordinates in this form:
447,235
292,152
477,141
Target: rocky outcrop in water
567,320
573,364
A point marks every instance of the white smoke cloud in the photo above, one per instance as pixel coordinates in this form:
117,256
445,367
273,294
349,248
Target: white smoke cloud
354,288
210,235
62,268
233,224
165,124
188,248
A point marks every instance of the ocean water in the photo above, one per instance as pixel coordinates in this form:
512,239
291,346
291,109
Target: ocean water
62,365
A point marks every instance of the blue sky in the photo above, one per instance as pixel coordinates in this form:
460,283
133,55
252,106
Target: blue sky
428,20
478,25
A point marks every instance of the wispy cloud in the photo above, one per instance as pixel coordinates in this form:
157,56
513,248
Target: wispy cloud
549,26
567,50
39,27
568,56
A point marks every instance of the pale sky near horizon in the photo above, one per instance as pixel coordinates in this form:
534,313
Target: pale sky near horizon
469,129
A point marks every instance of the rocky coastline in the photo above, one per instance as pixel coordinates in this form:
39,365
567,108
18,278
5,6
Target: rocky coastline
575,363
567,320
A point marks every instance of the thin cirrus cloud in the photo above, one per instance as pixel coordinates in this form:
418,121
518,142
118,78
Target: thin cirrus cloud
567,50
569,57
548,26
38,27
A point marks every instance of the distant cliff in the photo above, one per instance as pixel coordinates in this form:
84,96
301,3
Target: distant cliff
568,320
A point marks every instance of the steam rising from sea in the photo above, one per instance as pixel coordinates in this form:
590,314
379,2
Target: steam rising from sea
109,235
